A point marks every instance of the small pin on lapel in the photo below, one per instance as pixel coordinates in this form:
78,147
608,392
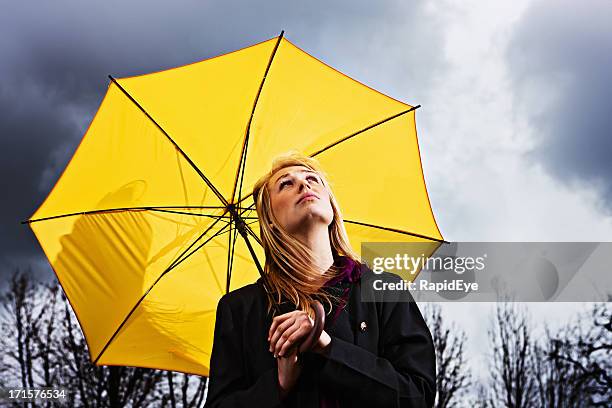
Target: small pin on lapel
363,326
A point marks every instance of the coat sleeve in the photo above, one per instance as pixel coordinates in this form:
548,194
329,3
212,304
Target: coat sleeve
403,375
228,384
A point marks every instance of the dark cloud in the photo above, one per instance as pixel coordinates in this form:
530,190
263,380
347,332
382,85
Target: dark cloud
561,60
30,128
55,58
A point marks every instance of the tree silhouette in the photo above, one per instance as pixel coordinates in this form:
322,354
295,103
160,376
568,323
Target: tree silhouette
577,362
453,377
512,372
568,368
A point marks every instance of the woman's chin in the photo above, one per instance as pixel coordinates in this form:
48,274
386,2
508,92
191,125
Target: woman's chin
312,219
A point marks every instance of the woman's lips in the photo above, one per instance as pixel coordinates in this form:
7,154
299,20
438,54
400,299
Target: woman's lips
306,196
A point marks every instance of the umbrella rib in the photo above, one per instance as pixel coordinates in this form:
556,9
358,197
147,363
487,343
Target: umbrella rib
249,208
180,258
187,213
148,208
172,266
245,143
364,130
414,234
214,207
246,223
250,231
195,214
345,138
231,260
229,254
200,173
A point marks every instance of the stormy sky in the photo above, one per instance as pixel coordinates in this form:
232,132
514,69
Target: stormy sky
515,128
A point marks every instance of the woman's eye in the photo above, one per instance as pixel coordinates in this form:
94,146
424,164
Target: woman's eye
313,178
282,184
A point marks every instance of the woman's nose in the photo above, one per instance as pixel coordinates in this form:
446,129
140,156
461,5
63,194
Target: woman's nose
303,184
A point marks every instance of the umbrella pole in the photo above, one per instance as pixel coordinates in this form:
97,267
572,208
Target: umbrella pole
242,229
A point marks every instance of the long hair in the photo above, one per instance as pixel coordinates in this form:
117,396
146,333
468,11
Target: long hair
289,266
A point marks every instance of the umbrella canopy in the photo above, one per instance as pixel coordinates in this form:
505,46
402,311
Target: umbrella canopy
140,228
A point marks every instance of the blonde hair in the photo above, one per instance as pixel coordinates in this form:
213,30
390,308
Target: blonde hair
289,265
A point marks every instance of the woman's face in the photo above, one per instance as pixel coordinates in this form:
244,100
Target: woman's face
299,199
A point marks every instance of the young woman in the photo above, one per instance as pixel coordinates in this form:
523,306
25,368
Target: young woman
369,354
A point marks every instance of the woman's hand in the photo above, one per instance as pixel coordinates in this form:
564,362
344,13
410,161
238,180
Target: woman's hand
285,336
289,330
289,370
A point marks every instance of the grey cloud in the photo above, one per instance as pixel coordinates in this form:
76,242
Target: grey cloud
29,127
561,60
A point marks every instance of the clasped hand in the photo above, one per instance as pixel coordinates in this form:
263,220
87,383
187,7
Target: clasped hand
288,330
286,333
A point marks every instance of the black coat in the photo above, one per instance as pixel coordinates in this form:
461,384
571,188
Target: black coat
388,361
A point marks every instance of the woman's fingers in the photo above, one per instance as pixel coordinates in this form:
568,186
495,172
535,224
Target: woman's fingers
280,319
290,332
285,336
297,335
280,329
292,335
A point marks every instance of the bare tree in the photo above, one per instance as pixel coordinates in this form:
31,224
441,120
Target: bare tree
579,362
557,382
569,368
192,391
452,373
25,322
483,397
512,373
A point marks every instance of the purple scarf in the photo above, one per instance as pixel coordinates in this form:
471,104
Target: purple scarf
339,286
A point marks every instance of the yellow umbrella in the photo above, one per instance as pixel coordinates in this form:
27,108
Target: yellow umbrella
141,227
